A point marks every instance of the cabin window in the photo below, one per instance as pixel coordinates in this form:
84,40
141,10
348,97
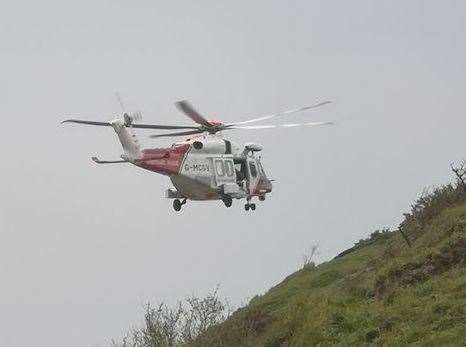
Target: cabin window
252,169
230,171
219,168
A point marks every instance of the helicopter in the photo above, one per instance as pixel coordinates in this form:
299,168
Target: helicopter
205,165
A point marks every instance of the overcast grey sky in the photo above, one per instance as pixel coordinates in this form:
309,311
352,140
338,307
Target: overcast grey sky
83,247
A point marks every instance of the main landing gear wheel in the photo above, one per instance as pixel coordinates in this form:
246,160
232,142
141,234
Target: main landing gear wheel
228,201
177,204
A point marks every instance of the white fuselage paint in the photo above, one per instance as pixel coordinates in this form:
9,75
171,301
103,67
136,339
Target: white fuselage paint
128,140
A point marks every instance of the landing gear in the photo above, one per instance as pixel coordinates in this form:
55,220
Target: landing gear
177,204
227,201
250,206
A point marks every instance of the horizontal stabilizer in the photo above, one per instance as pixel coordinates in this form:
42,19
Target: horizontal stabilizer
172,193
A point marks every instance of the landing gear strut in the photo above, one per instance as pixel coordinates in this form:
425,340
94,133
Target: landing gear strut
177,204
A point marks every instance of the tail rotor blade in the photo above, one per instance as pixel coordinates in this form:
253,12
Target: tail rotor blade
136,116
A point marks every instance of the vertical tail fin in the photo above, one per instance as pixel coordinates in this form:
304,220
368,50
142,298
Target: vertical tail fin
128,140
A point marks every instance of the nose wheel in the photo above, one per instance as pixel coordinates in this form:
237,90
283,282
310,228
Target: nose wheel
250,206
177,204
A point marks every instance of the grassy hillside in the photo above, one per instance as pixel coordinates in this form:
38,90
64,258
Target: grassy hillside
380,292
395,288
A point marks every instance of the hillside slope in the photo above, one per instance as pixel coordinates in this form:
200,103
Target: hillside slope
380,292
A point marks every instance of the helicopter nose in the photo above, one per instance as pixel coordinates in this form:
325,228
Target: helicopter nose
265,185
269,185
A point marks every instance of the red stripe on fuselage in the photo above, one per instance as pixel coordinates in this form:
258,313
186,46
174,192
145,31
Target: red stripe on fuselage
165,161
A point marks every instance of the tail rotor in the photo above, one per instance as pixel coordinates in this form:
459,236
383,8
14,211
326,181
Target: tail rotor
128,118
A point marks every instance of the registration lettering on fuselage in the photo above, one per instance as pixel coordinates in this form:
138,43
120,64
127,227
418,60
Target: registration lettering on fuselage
196,167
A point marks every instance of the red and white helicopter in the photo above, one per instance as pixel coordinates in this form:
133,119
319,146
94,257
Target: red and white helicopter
205,166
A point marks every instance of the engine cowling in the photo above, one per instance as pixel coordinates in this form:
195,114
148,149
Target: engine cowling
253,147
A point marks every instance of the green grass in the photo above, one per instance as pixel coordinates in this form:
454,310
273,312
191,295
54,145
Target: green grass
383,293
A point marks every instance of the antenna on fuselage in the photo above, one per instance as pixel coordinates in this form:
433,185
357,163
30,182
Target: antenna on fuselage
120,101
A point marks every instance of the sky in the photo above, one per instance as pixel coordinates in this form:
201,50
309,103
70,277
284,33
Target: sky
83,247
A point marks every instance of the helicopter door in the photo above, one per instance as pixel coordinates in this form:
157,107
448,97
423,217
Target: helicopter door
224,171
253,175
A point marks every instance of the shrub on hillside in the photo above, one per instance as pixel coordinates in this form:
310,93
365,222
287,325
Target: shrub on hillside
433,201
308,262
166,326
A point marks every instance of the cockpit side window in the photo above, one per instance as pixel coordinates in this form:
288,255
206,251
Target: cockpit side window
252,169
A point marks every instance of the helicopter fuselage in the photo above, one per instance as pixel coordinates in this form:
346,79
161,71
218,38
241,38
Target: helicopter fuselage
208,168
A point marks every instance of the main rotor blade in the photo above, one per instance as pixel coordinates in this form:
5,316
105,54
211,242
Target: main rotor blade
185,107
88,122
182,133
140,126
279,114
163,127
289,125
